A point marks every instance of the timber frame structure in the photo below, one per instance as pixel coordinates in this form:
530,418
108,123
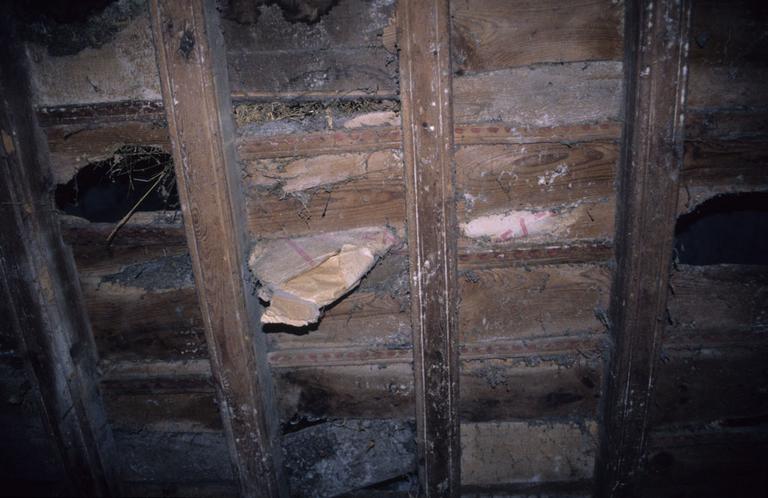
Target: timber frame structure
528,329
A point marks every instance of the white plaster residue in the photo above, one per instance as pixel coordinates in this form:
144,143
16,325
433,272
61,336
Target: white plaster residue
548,179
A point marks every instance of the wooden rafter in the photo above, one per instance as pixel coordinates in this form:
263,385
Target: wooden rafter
649,180
40,288
425,69
193,73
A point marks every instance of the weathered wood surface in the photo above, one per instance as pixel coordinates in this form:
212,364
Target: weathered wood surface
535,175
143,306
75,146
727,87
656,38
572,253
38,284
510,389
375,199
732,124
716,167
470,133
541,301
196,94
253,147
706,461
340,54
427,117
712,384
518,452
717,298
541,96
299,196
500,34
728,55
560,378
144,229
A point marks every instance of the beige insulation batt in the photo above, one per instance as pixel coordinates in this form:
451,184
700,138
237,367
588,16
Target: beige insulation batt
300,276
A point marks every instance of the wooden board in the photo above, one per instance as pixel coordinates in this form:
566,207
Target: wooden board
723,384
516,452
340,54
500,34
649,181
527,384
541,96
717,298
491,178
39,288
726,125
313,74
427,117
75,146
191,61
509,389
726,163
373,200
727,87
541,301
705,461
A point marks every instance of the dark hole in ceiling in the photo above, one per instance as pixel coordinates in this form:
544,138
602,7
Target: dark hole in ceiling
731,228
106,191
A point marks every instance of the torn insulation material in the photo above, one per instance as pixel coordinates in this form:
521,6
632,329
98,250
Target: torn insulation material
533,225
300,276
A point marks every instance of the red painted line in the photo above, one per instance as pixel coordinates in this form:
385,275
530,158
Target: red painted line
299,251
523,227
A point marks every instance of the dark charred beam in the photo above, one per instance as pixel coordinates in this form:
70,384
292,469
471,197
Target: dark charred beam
649,180
40,286
193,74
427,120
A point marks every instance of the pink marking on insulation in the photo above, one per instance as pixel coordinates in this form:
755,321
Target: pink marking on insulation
299,251
523,227
506,235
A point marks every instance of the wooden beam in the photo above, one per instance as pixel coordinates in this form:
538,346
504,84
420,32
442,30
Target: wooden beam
40,286
649,180
193,74
427,117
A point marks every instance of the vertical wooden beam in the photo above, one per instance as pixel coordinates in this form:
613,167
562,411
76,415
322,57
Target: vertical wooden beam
41,288
193,73
649,179
427,113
